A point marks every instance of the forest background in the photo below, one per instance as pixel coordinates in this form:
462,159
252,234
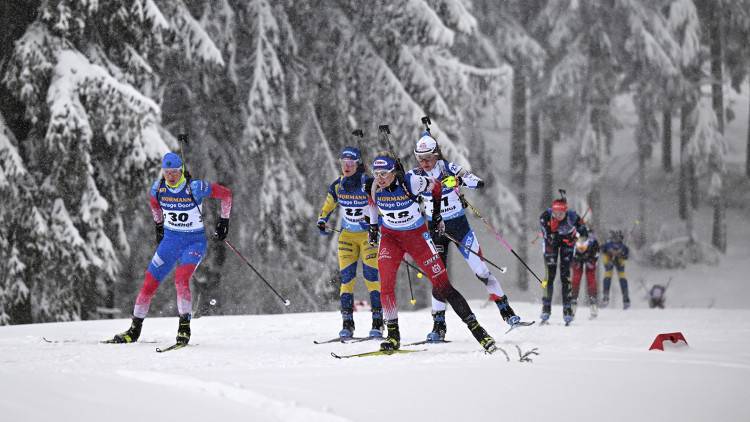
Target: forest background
92,93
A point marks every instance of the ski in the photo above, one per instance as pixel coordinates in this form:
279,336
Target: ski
359,340
172,347
46,340
376,353
112,341
417,343
343,340
519,324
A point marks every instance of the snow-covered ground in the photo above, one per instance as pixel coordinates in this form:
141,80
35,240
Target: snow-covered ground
266,368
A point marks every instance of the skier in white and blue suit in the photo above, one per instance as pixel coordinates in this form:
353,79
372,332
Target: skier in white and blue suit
176,203
432,164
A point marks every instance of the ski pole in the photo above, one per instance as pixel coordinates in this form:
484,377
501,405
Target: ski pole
411,291
452,239
285,301
501,240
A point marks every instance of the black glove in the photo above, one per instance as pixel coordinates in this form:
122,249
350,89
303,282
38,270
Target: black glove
322,227
159,230
372,237
222,228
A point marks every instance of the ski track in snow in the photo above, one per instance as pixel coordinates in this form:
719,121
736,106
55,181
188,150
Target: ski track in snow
265,368
269,409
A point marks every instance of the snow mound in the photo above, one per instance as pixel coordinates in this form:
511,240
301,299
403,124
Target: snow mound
679,253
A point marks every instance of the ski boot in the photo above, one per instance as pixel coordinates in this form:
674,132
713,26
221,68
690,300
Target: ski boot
625,303
438,327
479,333
347,330
183,330
393,341
377,323
131,335
546,311
568,314
509,316
605,301
574,305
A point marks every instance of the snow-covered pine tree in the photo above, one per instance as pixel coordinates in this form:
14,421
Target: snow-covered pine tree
84,72
14,292
504,38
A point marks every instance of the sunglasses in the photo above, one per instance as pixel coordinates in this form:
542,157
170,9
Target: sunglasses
425,156
558,214
348,162
382,173
172,171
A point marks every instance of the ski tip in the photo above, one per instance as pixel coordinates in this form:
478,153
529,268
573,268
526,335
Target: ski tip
335,355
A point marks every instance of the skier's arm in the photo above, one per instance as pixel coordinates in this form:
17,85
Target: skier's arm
156,210
437,195
469,180
224,194
330,204
543,224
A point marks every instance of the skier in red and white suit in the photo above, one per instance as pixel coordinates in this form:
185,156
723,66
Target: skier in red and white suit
404,230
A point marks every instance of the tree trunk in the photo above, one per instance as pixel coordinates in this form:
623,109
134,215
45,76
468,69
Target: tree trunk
548,137
666,146
640,239
688,184
535,141
518,158
747,150
718,235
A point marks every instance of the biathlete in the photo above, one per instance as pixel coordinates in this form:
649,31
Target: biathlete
176,206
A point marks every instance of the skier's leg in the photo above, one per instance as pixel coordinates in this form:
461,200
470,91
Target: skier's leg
620,264
390,254
441,245
469,242
607,282
161,265
550,260
369,256
591,281
566,257
188,262
439,327
576,283
348,254
431,264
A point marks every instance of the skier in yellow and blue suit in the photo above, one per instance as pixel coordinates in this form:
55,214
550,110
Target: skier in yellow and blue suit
347,191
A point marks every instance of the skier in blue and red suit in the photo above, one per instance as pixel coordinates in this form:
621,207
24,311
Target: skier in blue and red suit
559,227
176,205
